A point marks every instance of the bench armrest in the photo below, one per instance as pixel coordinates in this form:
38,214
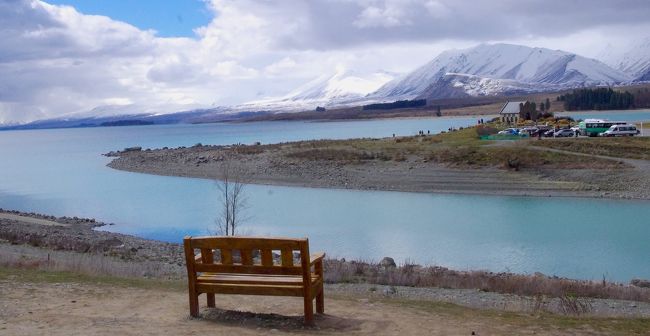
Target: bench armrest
316,257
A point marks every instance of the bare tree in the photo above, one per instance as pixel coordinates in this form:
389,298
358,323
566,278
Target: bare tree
232,200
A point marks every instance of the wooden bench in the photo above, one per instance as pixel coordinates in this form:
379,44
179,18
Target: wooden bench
254,272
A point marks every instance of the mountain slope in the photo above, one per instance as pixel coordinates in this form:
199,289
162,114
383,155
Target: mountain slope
636,61
500,69
337,89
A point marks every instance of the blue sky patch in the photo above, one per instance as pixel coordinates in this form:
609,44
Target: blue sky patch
167,18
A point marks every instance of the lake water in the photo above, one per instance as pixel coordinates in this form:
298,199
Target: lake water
61,172
629,116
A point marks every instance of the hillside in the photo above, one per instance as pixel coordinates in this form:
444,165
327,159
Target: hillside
500,69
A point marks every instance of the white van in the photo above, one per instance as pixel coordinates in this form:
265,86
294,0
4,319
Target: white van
621,130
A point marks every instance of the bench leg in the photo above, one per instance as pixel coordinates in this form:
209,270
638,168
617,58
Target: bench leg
194,304
309,311
210,297
320,302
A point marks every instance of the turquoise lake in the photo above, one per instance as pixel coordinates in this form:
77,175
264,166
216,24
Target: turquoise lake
62,172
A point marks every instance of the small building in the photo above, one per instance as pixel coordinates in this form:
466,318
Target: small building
510,112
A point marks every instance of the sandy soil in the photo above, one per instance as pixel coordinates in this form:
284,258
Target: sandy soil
44,308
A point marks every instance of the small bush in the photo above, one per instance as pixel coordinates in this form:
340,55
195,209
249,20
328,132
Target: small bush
483,130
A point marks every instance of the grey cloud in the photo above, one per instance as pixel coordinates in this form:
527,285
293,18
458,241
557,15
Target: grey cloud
30,31
326,24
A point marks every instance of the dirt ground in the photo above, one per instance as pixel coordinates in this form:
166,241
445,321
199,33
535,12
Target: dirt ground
63,306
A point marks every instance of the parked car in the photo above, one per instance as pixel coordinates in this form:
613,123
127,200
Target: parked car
529,130
564,133
549,133
576,129
621,130
510,131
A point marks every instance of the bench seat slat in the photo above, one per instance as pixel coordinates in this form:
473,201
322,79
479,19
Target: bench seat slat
248,269
254,279
250,289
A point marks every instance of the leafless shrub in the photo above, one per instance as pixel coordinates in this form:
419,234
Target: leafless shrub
399,157
483,130
232,200
435,276
573,305
27,257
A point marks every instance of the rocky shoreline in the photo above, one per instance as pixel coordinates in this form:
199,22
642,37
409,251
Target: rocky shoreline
79,235
30,241
271,165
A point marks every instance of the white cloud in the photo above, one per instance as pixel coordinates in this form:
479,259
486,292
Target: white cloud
55,60
389,15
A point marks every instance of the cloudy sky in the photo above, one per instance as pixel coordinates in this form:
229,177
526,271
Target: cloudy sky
67,58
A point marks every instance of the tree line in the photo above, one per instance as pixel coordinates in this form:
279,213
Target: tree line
396,105
597,99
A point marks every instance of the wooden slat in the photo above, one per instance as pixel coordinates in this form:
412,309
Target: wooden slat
249,289
267,257
246,257
191,276
259,279
226,256
245,269
316,257
316,286
246,243
287,257
207,257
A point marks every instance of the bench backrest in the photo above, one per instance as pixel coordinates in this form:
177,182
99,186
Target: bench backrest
248,255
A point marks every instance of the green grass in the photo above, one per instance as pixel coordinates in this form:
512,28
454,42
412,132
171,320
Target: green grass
546,321
40,276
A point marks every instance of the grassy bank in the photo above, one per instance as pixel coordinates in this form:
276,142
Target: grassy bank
461,148
623,147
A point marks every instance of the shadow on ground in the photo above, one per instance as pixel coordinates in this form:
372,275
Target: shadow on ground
277,321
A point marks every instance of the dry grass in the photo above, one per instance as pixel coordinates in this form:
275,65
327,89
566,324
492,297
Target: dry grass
335,154
337,271
27,257
461,148
624,147
432,276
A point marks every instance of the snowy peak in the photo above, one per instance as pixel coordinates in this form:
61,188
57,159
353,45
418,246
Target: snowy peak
504,63
635,61
341,88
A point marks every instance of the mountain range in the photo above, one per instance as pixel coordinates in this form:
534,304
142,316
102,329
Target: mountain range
500,69
483,70
633,60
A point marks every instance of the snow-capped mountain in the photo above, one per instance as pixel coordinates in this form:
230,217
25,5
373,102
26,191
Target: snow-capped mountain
490,69
634,62
338,89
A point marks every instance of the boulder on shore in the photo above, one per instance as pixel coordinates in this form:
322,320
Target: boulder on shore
388,262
